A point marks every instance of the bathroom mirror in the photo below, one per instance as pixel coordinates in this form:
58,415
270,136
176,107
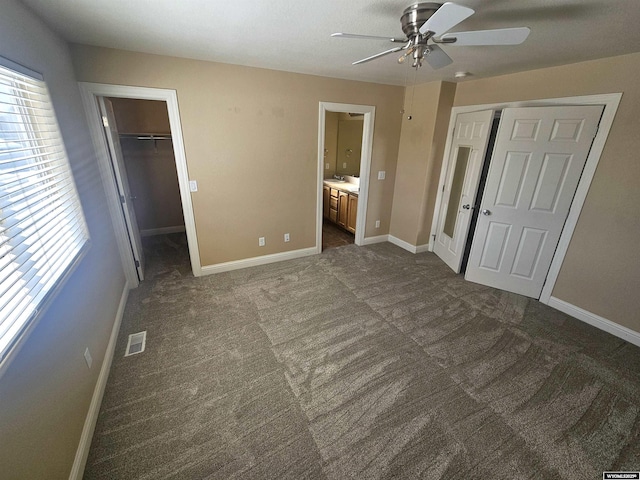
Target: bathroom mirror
343,143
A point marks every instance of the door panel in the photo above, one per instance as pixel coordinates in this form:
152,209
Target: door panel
469,145
536,166
511,181
120,172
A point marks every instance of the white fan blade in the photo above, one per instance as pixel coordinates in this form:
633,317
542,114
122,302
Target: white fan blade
501,36
445,18
377,55
437,58
369,37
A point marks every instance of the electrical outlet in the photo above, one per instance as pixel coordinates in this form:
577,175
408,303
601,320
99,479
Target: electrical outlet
286,237
87,357
381,175
261,242
193,185
377,223
344,165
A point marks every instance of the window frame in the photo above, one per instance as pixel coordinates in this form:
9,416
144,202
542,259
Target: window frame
18,340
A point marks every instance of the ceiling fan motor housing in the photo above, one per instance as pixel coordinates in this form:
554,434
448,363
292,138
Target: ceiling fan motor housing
414,17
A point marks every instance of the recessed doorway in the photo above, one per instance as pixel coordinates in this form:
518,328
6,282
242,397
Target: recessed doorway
345,140
98,100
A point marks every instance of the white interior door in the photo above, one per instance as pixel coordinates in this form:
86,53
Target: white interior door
117,160
536,166
469,145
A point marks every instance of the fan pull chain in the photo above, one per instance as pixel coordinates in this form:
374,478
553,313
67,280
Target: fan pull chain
404,94
413,91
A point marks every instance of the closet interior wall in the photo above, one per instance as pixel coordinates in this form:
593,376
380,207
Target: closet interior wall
145,138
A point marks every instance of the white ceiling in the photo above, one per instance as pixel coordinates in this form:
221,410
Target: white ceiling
294,35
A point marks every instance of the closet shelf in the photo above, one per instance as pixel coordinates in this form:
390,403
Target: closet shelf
147,136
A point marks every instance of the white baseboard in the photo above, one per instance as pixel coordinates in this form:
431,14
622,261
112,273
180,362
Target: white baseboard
376,239
162,231
255,261
396,241
77,470
402,244
423,248
608,326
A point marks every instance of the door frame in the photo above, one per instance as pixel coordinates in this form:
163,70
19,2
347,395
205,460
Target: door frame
369,112
610,101
89,93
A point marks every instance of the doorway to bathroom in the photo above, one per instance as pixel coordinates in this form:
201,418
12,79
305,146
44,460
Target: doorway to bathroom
345,138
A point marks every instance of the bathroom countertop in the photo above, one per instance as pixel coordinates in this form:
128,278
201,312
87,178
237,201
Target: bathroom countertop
343,185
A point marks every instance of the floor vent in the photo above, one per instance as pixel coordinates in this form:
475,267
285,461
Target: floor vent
136,343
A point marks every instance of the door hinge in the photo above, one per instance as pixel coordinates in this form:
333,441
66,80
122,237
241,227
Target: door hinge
105,122
443,187
122,199
137,263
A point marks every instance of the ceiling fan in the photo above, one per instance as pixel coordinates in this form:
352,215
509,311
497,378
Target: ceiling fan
426,25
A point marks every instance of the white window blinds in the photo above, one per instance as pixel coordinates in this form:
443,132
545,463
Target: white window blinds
42,228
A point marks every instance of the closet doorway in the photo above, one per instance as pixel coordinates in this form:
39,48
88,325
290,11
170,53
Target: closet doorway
138,139
544,158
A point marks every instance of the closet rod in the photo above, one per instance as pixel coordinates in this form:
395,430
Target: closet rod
145,137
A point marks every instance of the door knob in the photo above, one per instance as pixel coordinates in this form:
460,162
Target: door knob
486,212
466,207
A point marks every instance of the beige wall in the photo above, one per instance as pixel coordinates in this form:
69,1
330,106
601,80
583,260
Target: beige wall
141,116
153,180
46,389
251,142
601,271
434,163
150,164
419,159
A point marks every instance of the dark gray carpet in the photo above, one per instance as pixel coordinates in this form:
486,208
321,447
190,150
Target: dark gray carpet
362,362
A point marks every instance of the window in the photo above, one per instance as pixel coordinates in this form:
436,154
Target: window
42,228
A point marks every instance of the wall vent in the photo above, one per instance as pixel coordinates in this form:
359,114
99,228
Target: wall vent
136,343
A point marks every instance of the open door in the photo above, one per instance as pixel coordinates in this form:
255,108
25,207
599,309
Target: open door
537,162
117,161
470,139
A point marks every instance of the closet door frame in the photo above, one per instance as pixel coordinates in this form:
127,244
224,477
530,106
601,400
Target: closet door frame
90,93
610,102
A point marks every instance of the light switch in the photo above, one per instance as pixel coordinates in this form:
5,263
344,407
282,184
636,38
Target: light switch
326,166
344,165
193,185
381,175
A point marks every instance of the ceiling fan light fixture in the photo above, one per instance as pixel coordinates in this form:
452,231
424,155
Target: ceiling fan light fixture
460,75
426,25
